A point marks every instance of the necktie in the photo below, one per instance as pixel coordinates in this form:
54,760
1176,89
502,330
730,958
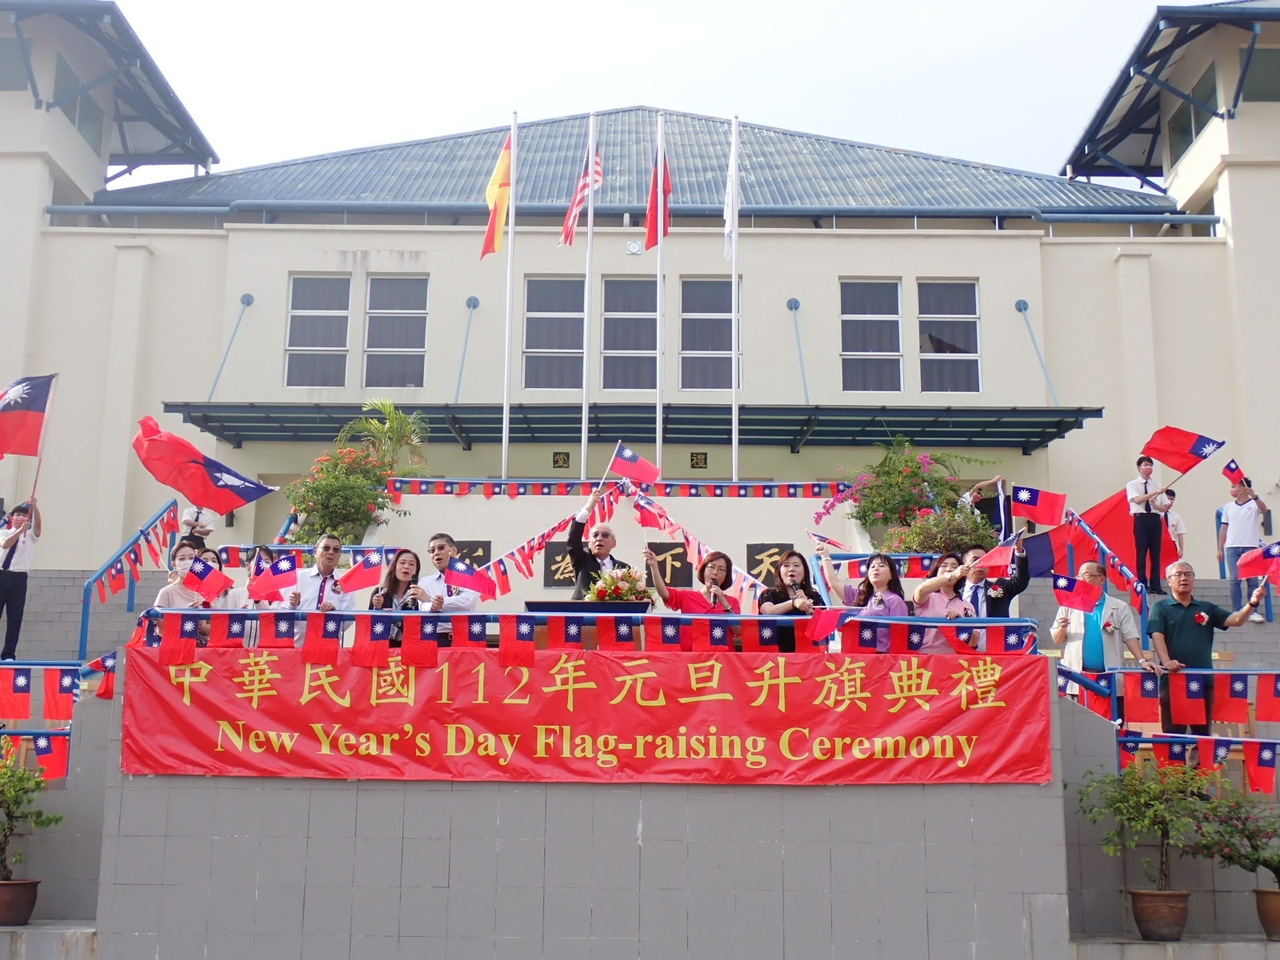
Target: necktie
8,557
320,596
1146,507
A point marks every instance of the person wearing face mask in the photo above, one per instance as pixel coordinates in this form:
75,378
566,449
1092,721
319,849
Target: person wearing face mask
596,556
938,597
715,574
878,595
233,598
793,595
1147,503
317,587
1094,641
173,595
395,592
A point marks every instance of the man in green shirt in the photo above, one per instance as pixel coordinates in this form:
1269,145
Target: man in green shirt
1181,629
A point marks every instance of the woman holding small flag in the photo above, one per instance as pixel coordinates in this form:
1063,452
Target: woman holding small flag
400,576
715,574
878,595
792,596
938,597
1092,627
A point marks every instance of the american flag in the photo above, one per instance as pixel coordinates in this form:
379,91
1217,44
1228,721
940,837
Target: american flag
579,202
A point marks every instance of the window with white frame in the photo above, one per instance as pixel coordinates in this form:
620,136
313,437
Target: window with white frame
319,308
395,347
706,335
553,319
630,347
870,335
948,316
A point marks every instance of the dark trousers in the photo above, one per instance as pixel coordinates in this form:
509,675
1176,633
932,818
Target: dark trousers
13,600
1148,532
1194,729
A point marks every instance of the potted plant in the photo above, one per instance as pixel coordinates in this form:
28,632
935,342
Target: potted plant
343,494
18,789
1150,803
946,529
391,436
1241,830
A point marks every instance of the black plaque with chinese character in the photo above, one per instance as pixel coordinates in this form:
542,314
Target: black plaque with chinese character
475,552
673,564
762,560
698,460
557,568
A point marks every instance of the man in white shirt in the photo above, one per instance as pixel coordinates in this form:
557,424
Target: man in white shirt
17,544
197,523
436,596
1146,504
1241,531
317,587
1177,526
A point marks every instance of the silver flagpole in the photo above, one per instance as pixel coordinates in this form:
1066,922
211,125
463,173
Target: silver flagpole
511,272
662,220
731,213
586,292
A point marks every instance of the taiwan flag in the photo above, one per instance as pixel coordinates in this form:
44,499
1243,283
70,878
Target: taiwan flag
997,559
202,480
459,573
658,198
1141,698
1230,698
22,407
275,630
1128,750
565,632
1268,707
207,580
1261,562
627,463
1076,594
322,640
649,513
15,693
106,664
470,630
1186,697
1260,765
515,640
419,646
1172,754
1097,702
1233,472
278,577
614,633
758,636
60,684
1213,751
178,639
373,640
54,752
227,629
367,573
1038,506
665,632
1180,449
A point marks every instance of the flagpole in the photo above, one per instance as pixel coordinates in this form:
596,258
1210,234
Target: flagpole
511,267
661,168
586,291
732,210
44,424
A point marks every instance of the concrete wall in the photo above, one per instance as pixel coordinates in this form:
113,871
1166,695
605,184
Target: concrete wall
51,620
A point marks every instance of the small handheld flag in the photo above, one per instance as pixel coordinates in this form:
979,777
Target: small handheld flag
1233,472
22,410
207,580
459,573
1038,506
276,578
367,573
627,463
1076,594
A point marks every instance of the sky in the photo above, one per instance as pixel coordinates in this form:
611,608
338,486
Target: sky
1007,82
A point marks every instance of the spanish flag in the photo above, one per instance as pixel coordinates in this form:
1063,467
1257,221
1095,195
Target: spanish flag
498,196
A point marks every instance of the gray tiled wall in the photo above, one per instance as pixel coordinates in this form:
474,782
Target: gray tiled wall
51,620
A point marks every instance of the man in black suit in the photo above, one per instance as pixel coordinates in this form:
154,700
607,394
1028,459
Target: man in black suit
991,598
596,555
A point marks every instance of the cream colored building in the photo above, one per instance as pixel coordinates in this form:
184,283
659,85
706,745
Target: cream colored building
1149,310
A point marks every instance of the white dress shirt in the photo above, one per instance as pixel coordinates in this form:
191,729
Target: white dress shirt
309,581
456,599
1177,526
202,516
22,550
1139,488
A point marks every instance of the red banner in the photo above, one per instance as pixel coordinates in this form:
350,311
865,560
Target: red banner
594,716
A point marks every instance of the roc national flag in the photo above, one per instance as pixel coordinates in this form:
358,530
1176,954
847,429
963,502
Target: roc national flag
367,573
1230,698
627,463
53,754
22,409
498,196
591,178
60,686
1180,449
207,580
1260,562
1233,472
1038,506
15,693
278,577
459,573
1260,765
1076,594
1187,696
1141,698
106,665
202,480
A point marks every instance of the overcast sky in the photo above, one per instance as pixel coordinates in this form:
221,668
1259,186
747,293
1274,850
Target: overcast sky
1009,82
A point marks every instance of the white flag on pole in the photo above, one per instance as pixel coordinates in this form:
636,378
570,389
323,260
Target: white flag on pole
732,196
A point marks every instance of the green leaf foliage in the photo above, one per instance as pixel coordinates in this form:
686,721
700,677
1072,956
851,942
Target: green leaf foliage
1239,830
18,789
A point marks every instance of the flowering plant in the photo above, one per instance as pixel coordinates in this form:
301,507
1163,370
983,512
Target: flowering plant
946,529
343,494
898,489
1202,618
619,584
1239,830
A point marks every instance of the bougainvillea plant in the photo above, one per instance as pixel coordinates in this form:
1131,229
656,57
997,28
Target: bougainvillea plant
345,493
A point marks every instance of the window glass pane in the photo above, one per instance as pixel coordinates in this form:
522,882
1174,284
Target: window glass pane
630,333
321,293
872,373
869,336
945,336
554,296
308,331
543,372
316,370
1179,132
398,293
706,333
13,69
706,296
396,333
705,373
65,82
630,296
949,376
89,122
630,373
393,370
1262,83
864,298
553,333
1206,91
949,299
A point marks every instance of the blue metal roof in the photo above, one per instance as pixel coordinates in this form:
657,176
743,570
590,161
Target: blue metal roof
1123,136
151,124
783,173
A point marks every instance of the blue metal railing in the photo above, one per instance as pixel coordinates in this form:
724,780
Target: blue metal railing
820,583
1109,560
86,603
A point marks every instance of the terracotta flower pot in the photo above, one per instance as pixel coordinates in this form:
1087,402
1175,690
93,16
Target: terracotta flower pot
1268,902
17,900
1160,914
